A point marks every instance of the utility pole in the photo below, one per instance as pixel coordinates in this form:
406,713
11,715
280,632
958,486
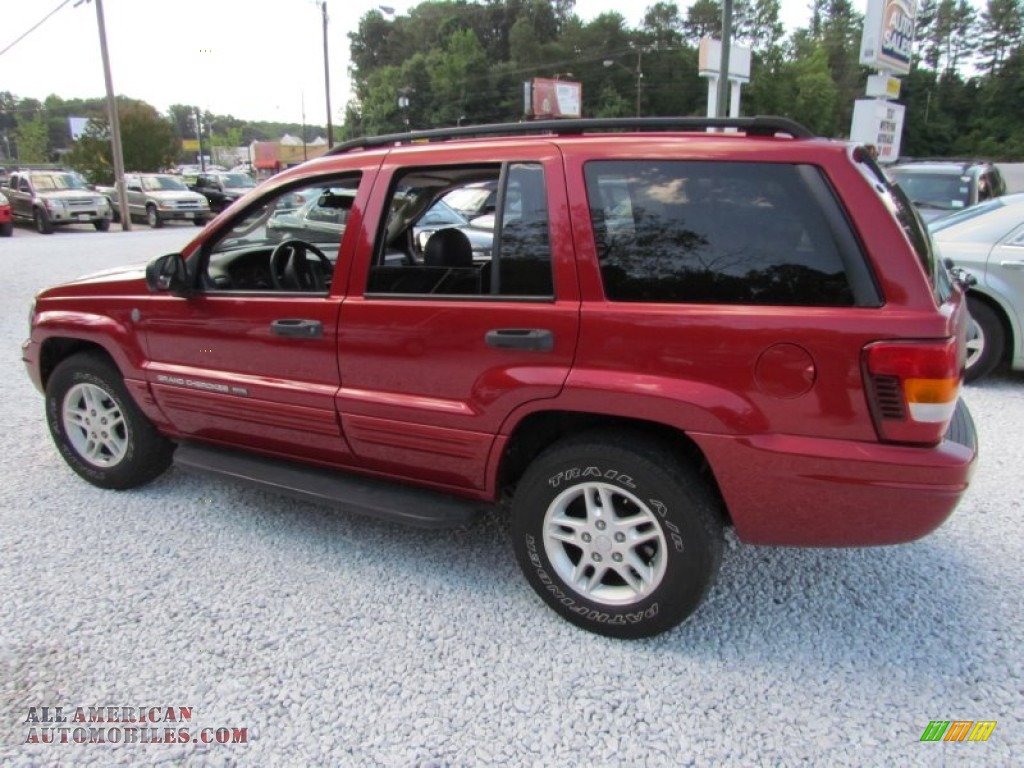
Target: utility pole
115,123
199,133
639,77
723,67
327,80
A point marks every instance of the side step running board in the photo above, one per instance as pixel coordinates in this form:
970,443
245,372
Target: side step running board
349,492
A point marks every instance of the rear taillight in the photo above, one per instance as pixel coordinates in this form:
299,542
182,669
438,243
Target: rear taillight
913,387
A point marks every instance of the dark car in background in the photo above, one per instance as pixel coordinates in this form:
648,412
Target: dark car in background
987,242
222,189
939,187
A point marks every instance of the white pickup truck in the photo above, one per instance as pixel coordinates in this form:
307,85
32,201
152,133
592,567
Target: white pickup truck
159,197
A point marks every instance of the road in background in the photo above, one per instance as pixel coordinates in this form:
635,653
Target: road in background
338,640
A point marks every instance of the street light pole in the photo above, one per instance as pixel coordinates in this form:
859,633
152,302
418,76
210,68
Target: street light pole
327,80
115,123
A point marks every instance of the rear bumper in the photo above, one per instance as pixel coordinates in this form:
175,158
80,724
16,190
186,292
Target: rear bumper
804,491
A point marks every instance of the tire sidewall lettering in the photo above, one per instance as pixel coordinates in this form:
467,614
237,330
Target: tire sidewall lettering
591,471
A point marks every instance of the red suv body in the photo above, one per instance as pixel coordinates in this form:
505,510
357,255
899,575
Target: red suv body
673,331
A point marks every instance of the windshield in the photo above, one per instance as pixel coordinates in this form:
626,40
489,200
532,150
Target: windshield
52,181
471,201
157,183
939,191
237,180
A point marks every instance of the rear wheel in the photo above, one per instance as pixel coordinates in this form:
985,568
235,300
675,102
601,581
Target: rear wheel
42,221
616,534
986,340
6,229
153,218
100,432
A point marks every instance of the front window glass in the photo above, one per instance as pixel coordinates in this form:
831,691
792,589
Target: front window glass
274,246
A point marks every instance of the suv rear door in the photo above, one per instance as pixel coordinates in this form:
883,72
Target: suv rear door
434,358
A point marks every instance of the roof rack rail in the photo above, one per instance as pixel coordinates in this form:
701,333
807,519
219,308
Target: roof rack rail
761,125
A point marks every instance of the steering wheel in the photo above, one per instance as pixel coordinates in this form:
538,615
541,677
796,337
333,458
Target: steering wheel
290,270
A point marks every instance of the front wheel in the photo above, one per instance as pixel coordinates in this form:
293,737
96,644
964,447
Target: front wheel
153,218
986,340
101,225
617,534
6,229
42,221
100,432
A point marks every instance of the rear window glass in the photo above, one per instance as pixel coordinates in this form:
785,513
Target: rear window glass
713,232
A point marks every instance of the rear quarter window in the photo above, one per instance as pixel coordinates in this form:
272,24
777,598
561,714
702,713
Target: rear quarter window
718,233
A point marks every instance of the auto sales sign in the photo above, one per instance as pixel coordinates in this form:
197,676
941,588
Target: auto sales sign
888,35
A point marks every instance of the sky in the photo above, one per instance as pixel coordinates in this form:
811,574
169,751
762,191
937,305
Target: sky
253,59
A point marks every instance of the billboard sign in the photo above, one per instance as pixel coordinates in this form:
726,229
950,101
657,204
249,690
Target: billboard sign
888,35
553,98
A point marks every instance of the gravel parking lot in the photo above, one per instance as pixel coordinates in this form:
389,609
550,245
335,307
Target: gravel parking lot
337,640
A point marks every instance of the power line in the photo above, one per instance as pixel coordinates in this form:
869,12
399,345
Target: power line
33,29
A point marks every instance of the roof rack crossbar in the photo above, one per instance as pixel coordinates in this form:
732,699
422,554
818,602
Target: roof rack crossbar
761,125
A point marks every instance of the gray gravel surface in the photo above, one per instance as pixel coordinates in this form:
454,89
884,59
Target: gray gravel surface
338,640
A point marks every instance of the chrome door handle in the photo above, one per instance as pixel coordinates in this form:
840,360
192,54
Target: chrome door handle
303,329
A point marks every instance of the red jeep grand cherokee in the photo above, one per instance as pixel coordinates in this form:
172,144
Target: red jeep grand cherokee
667,331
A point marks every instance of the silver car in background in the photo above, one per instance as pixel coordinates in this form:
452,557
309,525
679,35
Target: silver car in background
987,242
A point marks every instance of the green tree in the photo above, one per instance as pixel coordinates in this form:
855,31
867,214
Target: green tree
147,140
30,137
1001,31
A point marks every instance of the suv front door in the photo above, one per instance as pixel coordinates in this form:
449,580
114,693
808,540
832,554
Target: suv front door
438,349
250,359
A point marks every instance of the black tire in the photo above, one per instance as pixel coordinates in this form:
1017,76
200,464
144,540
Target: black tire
7,229
153,218
101,225
986,340
131,454
656,496
200,222
42,221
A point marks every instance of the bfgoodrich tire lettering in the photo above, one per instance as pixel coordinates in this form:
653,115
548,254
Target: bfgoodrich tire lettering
622,541
97,427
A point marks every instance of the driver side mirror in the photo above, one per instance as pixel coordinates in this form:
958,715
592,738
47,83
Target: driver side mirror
168,274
